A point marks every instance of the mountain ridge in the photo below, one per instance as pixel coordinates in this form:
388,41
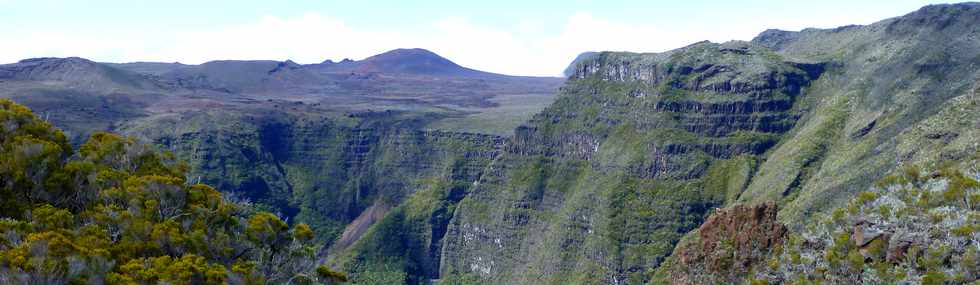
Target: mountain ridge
415,61
611,182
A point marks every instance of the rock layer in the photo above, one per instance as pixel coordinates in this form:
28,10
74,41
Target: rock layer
599,186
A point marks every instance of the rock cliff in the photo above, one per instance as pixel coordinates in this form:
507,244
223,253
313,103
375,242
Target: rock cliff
634,152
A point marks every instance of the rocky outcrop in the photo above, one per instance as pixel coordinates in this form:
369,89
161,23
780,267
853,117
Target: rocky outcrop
730,242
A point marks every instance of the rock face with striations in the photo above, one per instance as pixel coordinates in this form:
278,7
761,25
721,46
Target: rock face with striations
902,91
899,91
636,149
351,148
600,187
323,172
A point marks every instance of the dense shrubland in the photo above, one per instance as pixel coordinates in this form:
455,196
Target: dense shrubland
119,212
911,228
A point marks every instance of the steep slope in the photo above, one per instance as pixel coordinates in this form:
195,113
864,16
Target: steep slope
600,187
119,212
900,91
637,148
570,70
323,147
317,168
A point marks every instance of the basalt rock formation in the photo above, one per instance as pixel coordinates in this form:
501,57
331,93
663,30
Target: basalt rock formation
638,147
728,245
403,166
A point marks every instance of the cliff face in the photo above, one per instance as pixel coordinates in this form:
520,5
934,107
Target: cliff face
636,149
351,148
598,188
323,171
900,91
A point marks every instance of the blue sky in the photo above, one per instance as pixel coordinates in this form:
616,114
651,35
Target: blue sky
513,37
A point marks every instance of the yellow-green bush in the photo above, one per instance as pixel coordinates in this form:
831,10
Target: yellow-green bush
120,212
924,231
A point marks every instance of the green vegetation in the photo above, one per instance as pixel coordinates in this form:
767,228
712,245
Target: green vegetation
600,186
397,249
605,186
510,111
118,212
913,227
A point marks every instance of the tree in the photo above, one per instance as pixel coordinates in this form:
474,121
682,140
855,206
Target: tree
120,212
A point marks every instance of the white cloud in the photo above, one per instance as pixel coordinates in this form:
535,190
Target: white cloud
307,38
526,48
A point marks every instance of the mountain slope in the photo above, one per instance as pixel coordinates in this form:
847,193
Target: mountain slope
77,73
570,70
633,153
79,95
404,61
82,96
608,184
315,146
119,212
900,91
899,94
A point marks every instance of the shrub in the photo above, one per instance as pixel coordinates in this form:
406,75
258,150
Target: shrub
120,212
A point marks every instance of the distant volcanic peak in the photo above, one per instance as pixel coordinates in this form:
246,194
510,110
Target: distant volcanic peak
414,61
49,63
57,59
418,61
48,68
77,72
415,54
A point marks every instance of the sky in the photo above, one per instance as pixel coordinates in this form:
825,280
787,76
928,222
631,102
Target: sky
526,37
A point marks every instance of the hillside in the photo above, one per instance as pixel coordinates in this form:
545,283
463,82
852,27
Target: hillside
639,148
900,91
764,161
633,153
119,212
404,61
313,145
81,95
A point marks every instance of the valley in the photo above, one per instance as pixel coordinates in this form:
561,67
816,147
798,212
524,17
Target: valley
637,168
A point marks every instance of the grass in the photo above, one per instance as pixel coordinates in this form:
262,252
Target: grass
511,111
